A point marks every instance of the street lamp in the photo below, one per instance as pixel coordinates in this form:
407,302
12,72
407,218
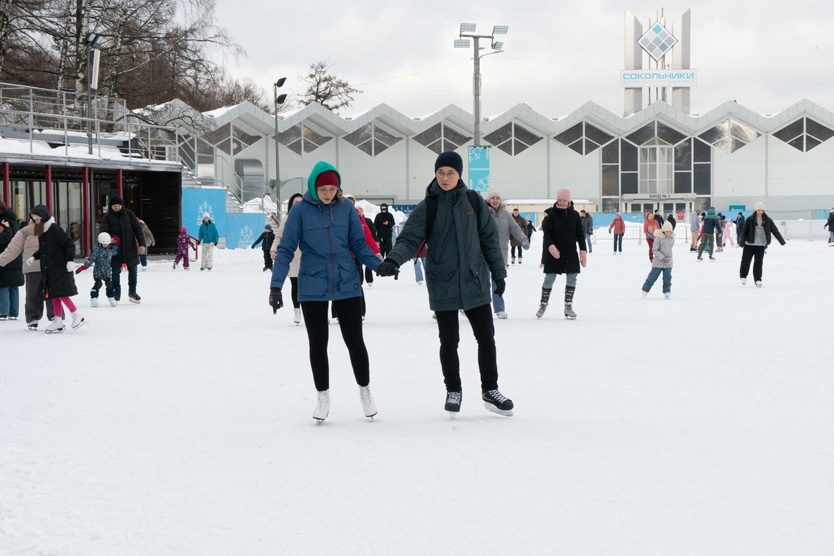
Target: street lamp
467,31
279,100
93,41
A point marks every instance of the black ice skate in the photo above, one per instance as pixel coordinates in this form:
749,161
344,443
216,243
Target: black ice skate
453,403
497,402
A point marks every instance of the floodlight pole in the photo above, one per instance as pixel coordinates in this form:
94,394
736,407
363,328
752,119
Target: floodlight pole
469,33
279,100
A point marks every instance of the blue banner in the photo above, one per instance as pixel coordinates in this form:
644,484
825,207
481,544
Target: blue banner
196,202
243,228
479,168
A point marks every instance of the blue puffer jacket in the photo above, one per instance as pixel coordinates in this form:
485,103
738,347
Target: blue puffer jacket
328,236
711,223
101,257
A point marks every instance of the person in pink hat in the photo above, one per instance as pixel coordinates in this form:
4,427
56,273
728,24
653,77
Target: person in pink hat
562,233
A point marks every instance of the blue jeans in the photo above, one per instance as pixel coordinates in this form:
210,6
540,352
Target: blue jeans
588,239
618,242
131,280
419,264
10,301
497,300
652,278
549,279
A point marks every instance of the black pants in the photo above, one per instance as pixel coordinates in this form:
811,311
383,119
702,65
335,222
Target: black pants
369,275
294,291
350,324
384,245
513,249
34,304
267,260
480,319
108,288
756,253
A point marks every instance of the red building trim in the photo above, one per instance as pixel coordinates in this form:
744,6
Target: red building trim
7,185
85,202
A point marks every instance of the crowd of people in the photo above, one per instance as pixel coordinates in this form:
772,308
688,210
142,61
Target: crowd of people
460,243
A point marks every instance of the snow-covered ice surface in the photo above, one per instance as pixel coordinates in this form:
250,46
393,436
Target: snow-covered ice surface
701,425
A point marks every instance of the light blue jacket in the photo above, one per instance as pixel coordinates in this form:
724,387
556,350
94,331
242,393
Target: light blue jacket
329,236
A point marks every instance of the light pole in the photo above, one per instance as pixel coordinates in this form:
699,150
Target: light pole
93,42
279,100
467,31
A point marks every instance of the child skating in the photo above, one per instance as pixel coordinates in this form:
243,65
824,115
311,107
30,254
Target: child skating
101,257
664,241
55,253
266,239
183,243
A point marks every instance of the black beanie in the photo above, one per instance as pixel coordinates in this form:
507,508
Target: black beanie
42,212
450,159
116,200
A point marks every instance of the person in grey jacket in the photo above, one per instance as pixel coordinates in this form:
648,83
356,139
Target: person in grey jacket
462,251
588,227
507,227
694,228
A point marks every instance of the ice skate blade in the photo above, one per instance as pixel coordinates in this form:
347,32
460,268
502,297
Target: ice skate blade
79,324
504,412
570,318
452,414
318,421
58,331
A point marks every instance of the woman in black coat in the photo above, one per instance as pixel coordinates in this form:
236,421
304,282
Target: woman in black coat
562,232
11,275
55,252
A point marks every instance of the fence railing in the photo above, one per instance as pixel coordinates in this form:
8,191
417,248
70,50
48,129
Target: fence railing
74,124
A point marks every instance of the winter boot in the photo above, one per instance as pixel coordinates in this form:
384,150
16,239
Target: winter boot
543,302
77,320
453,402
497,402
322,406
112,301
297,316
134,297
56,326
367,400
94,302
569,314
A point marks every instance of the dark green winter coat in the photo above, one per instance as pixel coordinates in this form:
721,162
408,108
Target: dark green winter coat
462,250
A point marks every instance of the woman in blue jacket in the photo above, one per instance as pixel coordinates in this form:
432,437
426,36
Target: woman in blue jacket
326,229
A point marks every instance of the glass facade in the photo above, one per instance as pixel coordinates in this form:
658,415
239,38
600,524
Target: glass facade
804,134
371,139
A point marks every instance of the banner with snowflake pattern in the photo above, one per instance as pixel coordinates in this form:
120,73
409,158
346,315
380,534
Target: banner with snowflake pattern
243,228
479,168
198,201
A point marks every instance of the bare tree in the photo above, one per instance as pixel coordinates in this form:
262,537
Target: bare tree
326,88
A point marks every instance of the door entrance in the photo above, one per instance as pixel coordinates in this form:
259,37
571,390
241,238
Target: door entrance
679,208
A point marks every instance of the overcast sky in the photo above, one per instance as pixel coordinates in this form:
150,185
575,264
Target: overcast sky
559,55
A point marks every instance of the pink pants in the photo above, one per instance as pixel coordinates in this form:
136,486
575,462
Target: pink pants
56,305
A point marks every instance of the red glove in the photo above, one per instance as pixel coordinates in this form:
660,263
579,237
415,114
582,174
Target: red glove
80,269
114,240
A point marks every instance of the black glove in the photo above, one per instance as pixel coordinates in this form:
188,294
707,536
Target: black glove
276,300
500,286
388,268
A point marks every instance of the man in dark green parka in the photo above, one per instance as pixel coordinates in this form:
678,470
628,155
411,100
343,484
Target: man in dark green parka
463,250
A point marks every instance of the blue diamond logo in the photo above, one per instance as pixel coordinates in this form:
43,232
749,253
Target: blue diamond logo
657,41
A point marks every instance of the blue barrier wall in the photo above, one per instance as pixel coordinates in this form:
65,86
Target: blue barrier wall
242,229
197,201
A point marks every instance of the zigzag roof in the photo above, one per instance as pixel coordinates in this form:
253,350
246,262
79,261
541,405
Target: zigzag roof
401,125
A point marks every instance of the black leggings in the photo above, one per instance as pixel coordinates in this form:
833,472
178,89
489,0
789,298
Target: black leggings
350,323
513,249
294,291
480,319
